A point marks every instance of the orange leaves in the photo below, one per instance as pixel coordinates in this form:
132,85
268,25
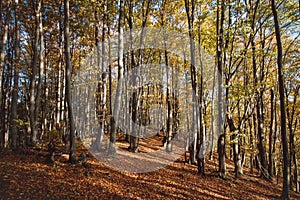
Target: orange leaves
28,176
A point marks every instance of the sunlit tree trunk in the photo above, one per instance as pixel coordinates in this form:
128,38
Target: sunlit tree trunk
201,148
2,66
117,100
169,106
59,119
134,104
41,67
168,131
2,54
102,91
32,87
72,158
190,11
59,86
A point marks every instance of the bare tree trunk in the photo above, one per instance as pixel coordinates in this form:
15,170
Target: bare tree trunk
2,97
286,160
275,170
6,80
271,160
294,158
190,11
32,91
44,108
236,153
258,114
258,118
187,142
72,158
14,103
292,123
113,128
58,120
42,67
59,95
102,93
2,54
169,107
296,175
251,145
168,131
136,92
202,134
222,137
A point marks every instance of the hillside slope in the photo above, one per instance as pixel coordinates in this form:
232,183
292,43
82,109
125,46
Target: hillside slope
26,175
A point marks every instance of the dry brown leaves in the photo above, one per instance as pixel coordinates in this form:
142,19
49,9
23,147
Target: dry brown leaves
28,176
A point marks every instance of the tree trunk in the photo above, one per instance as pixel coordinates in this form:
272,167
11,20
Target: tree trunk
2,93
169,106
32,90
219,45
202,134
251,145
286,160
14,103
135,103
102,92
113,128
271,163
190,11
294,161
296,175
72,158
236,154
60,95
292,124
275,170
42,67
2,54
168,134
258,114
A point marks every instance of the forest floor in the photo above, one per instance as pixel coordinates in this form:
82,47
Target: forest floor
27,175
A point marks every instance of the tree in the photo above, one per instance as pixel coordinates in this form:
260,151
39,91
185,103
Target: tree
41,67
72,158
4,20
4,27
219,50
258,115
117,100
16,64
292,90
101,89
34,67
286,160
271,137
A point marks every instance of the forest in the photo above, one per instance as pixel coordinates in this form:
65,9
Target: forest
145,99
